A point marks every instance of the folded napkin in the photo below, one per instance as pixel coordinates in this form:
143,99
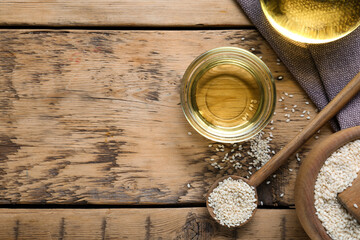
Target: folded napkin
322,70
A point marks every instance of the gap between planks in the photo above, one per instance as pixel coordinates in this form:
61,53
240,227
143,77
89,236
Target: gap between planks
188,223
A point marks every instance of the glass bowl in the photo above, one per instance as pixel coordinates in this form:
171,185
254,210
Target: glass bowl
228,94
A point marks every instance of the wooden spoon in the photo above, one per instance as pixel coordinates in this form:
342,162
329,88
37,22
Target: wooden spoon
343,97
350,198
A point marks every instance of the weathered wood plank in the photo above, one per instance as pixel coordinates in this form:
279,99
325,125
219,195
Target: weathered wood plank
94,117
158,223
158,13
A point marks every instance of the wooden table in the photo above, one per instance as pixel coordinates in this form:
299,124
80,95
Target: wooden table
93,141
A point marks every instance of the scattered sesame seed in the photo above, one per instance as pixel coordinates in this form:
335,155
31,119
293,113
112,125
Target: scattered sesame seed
290,169
280,100
302,115
280,78
188,185
316,137
268,182
210,145
295,106
274,176
261,203
272,121
252,49
211,159
242,39
272,128
304,111
278,60
189,133
281,195
291,96
285,108
274,113
293,110
287,120
355,205
260,57
277,63
286,94
308,117
307,103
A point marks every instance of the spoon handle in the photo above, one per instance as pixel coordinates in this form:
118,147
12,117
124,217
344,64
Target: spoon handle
341,99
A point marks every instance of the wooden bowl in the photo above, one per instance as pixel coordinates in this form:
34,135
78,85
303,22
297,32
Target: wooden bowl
307,175
215,184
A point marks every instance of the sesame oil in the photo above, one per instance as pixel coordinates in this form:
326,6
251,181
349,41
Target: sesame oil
226,96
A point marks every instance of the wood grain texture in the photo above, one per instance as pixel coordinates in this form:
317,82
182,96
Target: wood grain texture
350,198
94,117
305,182
128,13
160,223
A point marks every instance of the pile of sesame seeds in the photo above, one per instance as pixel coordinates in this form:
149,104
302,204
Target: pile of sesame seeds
337,173
234,155
233,202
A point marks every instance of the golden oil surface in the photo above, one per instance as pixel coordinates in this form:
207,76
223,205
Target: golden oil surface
313,21
226,96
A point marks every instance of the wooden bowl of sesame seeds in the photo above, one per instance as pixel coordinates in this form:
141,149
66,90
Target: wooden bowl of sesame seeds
307,176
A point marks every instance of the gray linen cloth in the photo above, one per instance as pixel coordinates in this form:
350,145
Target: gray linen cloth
322,70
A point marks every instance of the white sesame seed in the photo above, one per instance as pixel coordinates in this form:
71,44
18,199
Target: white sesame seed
295,106
233,202
355,205
252,49
293,110
286,94
285,108
337,173
274,176
261,203
280,100
281,195
307,103
188,185
242,39
210,145
287,120
268,182
302,115
189,133
308,117
291,95
290,169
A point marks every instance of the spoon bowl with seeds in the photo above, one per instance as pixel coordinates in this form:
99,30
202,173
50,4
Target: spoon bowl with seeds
227,194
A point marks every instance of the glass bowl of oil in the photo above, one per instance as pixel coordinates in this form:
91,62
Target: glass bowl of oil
228,94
